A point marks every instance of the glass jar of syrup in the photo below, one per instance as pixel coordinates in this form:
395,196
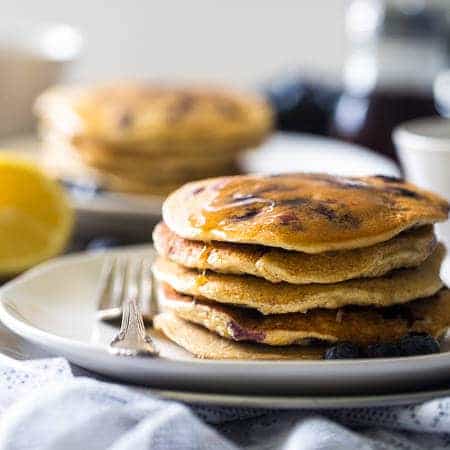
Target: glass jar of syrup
396,49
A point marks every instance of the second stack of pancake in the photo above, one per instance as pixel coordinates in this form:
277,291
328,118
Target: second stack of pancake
261,267
147,138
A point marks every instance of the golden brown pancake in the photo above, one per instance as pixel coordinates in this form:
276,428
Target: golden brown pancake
160,172
66,168
127,113
219,149
399,286
147,169
147,149
408,249
310,213
147,139
69,166
97,153
203,344
359,325
173,165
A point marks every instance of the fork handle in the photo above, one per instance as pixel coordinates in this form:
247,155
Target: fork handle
132,336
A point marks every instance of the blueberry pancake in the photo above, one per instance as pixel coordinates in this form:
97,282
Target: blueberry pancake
148,138
69,167
254,266
309,213
125,114
399,286
219,149
134,161
169,169
408,249
97,156
359,325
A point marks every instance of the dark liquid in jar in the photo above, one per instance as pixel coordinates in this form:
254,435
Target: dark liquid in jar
369,121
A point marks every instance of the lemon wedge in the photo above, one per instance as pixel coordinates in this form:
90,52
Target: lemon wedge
36,219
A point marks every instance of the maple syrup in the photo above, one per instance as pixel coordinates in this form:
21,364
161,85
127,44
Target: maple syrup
396,51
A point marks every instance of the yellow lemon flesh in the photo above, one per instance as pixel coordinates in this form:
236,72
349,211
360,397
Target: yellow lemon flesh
36,219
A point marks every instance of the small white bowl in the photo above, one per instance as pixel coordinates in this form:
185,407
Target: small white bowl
423,148
32,57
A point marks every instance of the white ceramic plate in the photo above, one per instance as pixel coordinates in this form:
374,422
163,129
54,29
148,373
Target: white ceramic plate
53,306
292,152
16,347
300,402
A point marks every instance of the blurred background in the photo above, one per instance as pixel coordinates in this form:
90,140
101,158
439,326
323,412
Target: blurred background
330,68
239,42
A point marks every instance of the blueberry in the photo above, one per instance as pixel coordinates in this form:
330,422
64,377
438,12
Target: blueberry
102,243
387,350
418,344
82,189
343,350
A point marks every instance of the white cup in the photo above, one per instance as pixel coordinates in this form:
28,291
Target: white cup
423,147
32,57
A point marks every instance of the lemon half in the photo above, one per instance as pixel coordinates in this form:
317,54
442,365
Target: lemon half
36,219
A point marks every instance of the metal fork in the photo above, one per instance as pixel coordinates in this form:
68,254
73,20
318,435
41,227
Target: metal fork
126,287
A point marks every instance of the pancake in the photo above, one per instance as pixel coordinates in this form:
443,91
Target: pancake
180,173
310,213
128,113
68,166
151,165
196,148
203,344
175,169
219,149
408,249
359,325
397,287
70,169
101,153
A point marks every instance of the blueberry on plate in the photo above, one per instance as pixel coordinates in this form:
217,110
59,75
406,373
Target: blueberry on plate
386,350
102,243
82,189
414,344
343,350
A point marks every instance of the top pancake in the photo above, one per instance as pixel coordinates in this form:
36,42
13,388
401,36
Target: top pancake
311,213
128,113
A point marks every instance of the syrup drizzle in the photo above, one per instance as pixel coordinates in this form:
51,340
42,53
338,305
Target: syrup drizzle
204,255
201,279
218,215
290,203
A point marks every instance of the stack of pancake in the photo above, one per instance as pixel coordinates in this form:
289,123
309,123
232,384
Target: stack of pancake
276,267
147,139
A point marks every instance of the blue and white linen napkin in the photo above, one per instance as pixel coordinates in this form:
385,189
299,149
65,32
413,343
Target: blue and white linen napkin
44,406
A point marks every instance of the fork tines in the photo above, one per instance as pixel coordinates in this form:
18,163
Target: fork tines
122,278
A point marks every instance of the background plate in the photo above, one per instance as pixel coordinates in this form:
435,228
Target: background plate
294,152
283,152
